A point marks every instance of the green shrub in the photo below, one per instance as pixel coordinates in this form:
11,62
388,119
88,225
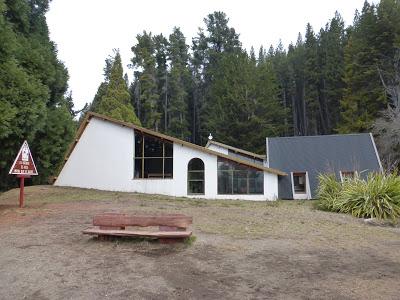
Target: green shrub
376,197
328,192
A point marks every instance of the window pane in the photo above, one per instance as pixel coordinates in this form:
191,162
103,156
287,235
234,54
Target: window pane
224,164
240,182
169,149
196,175
259,183
138,168
168,168
348,174
196,187
239,167
153,147
252,186
138,144
196,164
153,168
299,182
224,182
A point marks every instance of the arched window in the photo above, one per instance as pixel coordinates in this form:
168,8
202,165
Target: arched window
196,177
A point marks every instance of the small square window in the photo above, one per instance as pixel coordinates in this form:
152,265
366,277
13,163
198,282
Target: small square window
299,183
346,175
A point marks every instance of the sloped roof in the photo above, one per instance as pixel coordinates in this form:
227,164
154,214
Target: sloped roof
323,154
255,155
91,115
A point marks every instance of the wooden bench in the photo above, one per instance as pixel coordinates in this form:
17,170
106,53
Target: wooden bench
171,228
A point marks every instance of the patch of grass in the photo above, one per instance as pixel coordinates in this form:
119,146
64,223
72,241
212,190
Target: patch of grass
197,203
190,240
123,239
273,203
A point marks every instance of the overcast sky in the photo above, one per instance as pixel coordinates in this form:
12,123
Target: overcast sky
86,31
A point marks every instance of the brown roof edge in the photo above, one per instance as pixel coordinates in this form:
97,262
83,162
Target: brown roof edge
260,156
90,114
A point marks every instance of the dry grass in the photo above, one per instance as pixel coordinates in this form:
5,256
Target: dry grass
243,250
240,219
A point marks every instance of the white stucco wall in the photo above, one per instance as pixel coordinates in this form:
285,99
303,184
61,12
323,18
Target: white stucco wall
103,159
99,159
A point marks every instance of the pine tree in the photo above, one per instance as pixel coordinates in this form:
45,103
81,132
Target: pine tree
246,107
148,97
280,64
114,100
296,58
261,54
160,55
311,93
208,49
253,55
364,96
332,40
197,66
179,86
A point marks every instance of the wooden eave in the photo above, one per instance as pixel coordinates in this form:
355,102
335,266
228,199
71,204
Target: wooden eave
237,150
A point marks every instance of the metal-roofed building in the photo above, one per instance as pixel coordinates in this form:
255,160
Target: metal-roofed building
112,155
303,158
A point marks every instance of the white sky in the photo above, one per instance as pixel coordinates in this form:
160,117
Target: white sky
86,31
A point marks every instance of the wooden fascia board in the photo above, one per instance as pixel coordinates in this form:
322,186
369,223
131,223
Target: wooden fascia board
255,155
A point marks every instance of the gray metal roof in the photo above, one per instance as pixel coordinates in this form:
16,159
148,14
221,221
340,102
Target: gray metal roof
321,154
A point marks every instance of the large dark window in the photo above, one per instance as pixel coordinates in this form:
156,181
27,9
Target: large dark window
196,176
153,157
234,178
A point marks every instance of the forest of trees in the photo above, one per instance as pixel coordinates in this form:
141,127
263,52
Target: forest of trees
336,79
329,81
34,104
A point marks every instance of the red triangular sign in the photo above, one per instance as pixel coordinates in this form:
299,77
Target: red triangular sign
23,163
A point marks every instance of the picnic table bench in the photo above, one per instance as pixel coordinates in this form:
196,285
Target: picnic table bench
171,227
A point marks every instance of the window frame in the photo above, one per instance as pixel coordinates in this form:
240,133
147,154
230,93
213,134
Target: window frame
143,158
196,180
343,177
301,196
295,174
232,171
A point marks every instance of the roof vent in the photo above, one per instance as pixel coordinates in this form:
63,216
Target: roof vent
210,137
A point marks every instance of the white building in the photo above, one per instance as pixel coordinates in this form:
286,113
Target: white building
117,156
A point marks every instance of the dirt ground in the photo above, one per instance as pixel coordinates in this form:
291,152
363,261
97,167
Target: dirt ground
243,250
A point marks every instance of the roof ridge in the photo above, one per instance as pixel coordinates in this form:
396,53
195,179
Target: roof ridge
319,136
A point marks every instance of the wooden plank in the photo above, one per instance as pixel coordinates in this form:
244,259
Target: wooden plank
160,234
121,220
170,228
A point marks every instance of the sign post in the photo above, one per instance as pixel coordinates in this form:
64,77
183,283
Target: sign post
23,167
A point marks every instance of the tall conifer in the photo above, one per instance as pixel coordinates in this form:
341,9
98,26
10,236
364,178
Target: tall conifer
113,97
